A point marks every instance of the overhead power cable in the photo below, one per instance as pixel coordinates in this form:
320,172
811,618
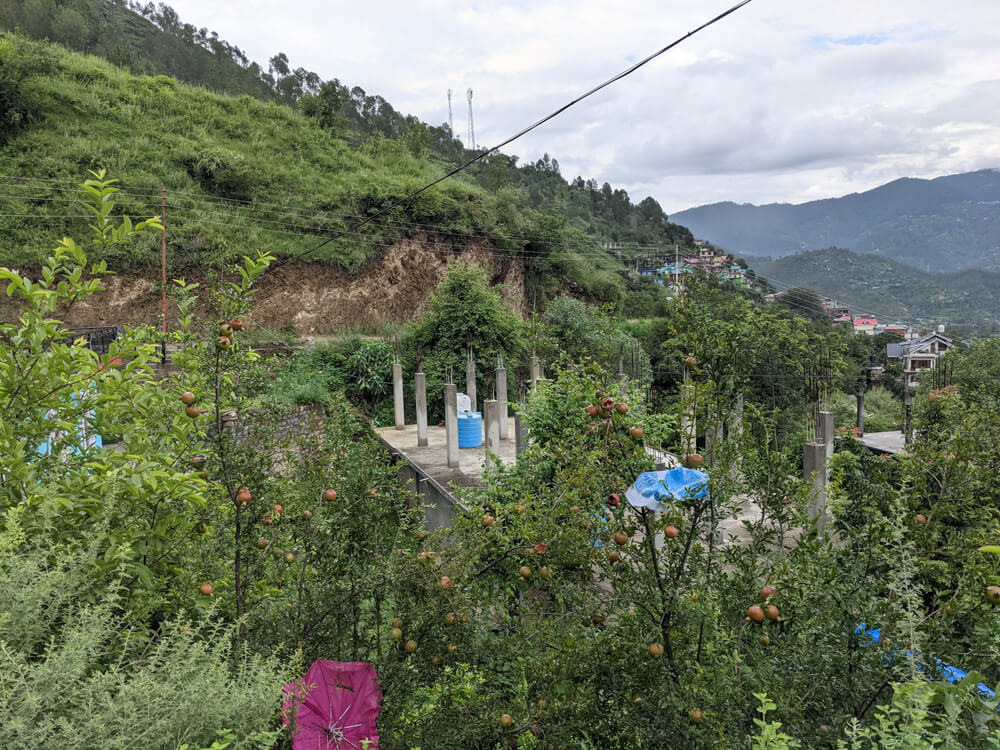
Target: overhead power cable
206,205
522,132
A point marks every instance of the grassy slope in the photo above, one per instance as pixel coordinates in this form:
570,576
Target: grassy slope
891,289
88,114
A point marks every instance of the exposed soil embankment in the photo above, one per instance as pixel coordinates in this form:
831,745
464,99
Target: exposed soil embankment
313,298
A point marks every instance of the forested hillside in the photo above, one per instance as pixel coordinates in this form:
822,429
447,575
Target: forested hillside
284,164
870,283
946,224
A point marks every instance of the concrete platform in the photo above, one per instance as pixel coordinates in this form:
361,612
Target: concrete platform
884,442
432,459
429,470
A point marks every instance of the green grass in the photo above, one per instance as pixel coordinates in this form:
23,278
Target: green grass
238,170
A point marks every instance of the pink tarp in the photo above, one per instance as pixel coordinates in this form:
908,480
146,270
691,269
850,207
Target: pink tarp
338,702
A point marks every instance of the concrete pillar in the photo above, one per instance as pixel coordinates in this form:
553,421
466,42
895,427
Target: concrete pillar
397,395
470,380
420,387
491,426
689,423
535,370
824,428
907,413
814,471
502,414
520,433
622,377
714,433
861,412
451,423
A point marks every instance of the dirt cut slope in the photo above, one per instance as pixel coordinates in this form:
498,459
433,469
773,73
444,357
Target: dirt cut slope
313,298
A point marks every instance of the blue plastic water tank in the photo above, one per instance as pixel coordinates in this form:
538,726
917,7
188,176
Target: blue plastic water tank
470,429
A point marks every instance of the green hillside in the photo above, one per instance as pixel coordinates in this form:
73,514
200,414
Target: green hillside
282,169
869,283
946,224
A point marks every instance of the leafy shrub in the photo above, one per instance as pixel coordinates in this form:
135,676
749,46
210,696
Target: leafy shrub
18,63
368,371
223,172
585,332
74,675
883,412
465,311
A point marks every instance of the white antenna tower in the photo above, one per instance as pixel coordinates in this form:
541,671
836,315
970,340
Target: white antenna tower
451,124
472,127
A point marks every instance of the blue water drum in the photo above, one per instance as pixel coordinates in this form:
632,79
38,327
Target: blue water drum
470,429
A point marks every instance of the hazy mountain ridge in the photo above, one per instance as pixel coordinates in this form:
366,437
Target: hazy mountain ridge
889,289
949,223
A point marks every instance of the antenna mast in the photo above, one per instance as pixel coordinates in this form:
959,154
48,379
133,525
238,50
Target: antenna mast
451,124
472,127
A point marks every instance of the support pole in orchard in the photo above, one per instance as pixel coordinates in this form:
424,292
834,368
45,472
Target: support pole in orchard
825,430
163,273
535,371
470,380
420,389
397,395
451,423
689,424
814,471
907,413
520,432
501,381
491,417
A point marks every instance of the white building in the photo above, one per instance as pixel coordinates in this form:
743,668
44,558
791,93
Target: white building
919,354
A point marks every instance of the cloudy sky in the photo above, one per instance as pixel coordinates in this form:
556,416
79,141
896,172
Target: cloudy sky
786,100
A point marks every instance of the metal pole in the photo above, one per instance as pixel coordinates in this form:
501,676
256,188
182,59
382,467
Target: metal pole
163,273
163,259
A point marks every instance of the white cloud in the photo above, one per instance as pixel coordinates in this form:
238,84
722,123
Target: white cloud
782,101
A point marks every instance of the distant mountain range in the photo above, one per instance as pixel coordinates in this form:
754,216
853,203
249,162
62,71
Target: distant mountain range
889,289
946,224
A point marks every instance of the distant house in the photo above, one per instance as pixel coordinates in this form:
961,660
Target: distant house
846,318
835,311
900,329
919,354
735,274
865,326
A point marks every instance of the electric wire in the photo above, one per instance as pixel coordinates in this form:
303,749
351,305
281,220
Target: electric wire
372,241
427,226
431,228
524,131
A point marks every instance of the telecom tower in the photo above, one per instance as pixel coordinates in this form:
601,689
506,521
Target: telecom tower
451,124
472,127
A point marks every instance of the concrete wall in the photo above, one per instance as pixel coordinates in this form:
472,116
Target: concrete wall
439,508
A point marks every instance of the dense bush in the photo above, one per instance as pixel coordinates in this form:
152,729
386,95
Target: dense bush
77,675
585,333
883,412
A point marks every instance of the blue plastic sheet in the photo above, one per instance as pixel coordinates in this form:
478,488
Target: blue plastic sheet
656,489
947,671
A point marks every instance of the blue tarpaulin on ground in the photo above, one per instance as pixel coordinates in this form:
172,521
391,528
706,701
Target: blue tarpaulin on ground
655,489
